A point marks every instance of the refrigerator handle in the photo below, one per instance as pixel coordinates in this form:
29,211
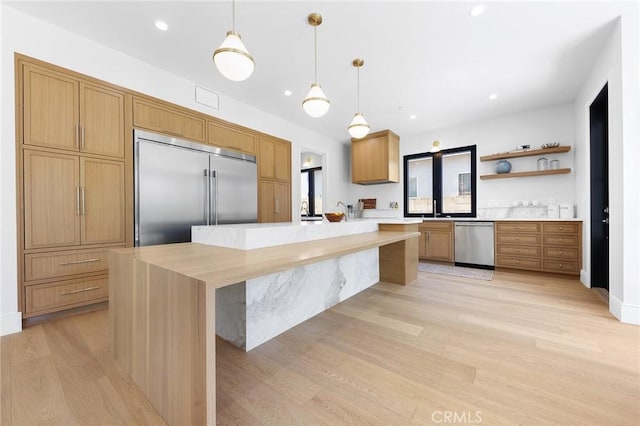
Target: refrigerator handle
207,185
214,176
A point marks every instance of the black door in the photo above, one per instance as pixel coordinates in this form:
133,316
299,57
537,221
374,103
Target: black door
599,141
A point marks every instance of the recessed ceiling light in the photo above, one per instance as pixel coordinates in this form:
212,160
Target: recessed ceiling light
412,116
477,10
493,96
162,26
288,92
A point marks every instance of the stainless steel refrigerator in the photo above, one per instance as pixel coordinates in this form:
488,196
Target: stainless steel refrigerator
179,184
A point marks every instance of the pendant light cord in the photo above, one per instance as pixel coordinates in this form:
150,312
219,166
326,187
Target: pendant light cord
358,90
233,15
315,54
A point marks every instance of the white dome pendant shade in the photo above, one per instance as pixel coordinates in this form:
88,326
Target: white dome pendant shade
232,57
316,104
359,128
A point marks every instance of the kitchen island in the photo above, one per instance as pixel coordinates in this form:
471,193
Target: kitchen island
163,304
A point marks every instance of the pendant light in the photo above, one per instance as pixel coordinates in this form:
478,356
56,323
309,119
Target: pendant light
316,103
232,58
359,128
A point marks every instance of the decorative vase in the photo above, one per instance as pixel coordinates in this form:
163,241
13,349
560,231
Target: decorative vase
503,166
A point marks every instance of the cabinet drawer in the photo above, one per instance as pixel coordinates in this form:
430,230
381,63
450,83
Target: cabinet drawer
45,298
561,253
518,226
532,251
518,262
436,226
561,227
519,238
561,240
59,264
561,266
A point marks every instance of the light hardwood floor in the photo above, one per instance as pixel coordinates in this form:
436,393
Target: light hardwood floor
519,349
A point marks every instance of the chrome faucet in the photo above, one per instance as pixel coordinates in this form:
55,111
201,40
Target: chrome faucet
435,204
346,213
304,207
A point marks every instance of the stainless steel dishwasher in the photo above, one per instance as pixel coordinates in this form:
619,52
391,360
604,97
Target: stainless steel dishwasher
474,244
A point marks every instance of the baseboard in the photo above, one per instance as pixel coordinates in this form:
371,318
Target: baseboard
585,278
628,314
11,323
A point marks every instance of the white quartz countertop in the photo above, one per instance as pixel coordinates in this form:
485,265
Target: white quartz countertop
509,219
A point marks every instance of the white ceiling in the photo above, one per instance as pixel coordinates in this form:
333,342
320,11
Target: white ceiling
430,59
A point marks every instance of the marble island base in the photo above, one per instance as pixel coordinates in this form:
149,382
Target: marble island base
254,311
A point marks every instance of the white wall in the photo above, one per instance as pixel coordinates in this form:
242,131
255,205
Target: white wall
617,64
535,127
24,34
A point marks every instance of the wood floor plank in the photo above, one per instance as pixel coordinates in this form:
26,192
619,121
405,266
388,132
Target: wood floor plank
520,349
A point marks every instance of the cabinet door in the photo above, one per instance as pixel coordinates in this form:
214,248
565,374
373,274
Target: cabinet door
50,109
167,120
51,200
282,161
370,160
439,246
102,201
102,121
422,245
267,157
232,138
282,207
266,201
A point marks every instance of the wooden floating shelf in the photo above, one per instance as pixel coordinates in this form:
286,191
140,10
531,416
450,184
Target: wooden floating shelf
527,153
524,174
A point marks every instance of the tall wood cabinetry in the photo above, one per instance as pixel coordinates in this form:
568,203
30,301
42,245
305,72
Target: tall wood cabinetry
274,179
71,172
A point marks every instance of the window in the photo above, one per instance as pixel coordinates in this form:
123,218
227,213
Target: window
311,192
464,183
445,180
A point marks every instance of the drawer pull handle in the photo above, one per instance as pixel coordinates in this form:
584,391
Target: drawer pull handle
559,265
79,291
560,251
517,238
561,228
76,262
517,261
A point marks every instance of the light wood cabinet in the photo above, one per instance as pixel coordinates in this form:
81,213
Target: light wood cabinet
168,119
72,201
233,137
376,158
51,200
274,189
63,112
274,201
45,298
102,211
539,246
436,241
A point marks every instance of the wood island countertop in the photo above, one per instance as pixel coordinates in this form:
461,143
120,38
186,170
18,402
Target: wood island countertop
220,266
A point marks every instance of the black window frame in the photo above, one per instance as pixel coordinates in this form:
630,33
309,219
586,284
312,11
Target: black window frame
312,190
437,181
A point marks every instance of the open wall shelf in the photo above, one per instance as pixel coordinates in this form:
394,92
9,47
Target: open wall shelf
527,153
524,174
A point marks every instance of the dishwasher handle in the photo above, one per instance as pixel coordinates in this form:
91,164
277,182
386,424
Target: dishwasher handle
473,223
